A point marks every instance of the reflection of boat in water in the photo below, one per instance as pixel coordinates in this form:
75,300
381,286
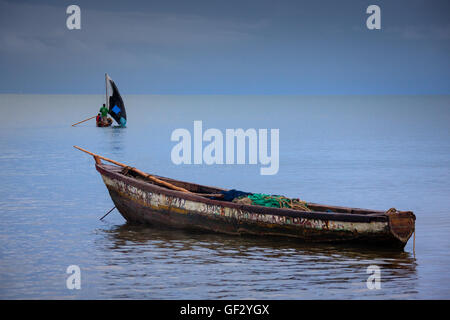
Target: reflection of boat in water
154,262
156,200
124,236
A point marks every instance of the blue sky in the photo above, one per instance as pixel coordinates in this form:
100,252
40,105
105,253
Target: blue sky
226,47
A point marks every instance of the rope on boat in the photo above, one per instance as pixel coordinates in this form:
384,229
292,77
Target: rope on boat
392,211
126,169
108,213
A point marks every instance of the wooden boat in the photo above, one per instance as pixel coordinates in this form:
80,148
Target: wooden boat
160,201
101,124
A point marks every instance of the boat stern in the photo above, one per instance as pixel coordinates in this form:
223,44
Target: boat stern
401,224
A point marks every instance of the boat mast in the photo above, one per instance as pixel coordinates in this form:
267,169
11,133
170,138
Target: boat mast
106,90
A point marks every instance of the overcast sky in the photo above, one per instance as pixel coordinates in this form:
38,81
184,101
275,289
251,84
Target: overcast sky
226,47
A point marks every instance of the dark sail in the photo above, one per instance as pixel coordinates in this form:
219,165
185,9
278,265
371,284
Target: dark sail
116,105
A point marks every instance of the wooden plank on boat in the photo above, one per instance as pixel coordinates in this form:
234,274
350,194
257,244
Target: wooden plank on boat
146,175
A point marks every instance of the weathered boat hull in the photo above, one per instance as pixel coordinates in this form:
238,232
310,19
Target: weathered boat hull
142,202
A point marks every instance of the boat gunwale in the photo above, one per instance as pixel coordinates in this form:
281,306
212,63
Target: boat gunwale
115,172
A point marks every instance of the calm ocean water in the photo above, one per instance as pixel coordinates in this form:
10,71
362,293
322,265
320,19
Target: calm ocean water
372,152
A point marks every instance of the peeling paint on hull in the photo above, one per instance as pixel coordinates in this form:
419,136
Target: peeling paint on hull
157,206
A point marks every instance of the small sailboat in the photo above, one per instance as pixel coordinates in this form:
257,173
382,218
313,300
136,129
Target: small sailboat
114,104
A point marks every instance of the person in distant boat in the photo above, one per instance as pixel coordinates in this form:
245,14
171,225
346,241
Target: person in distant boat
98,118
104,112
